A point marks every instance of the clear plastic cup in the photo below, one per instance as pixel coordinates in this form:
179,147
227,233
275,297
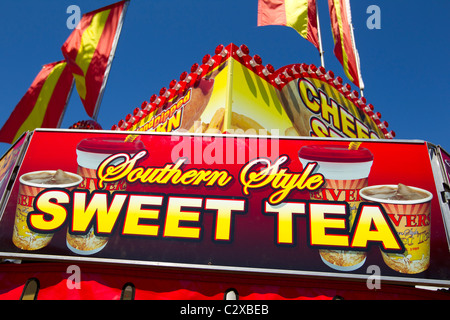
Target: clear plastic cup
30,186
412,221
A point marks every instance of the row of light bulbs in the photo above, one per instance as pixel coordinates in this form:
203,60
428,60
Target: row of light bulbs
278,78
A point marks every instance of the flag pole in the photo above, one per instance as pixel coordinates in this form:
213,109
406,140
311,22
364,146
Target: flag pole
358,63
67,103
319,34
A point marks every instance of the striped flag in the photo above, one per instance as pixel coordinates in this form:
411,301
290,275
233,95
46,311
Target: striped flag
300,15
344,42
43,104
90,50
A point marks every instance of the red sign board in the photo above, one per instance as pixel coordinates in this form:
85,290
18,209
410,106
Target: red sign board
301,206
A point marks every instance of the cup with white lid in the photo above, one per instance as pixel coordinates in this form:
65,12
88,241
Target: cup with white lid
346,170
91,152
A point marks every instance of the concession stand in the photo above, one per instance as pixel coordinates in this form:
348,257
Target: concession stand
236,181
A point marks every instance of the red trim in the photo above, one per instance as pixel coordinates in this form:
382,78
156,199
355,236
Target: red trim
335,153
109,146
106,282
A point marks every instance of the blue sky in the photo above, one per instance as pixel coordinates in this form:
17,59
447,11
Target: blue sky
405,64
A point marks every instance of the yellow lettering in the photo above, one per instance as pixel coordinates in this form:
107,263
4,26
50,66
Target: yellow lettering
187,97
371,225
319,129
330,108
175,215
97,206
224,208
348,125
321,225
47,207
174,122
285,213
135,212
279,179
309,95
107,172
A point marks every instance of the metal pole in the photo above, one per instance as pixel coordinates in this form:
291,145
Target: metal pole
67,104
321,52
358,63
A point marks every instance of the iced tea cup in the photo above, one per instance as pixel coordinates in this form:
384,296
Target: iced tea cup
346,172
31,184
90,154
411,217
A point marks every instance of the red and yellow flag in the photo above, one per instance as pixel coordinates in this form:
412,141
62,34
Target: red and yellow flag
43,104
300,15
90,49
344,44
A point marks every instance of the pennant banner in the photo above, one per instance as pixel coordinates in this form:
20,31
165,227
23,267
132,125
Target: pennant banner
43,105
90,49
344,45
300,15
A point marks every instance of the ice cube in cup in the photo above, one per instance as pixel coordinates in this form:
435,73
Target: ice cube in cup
410,211
408,193
59,177
31,184
399,192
